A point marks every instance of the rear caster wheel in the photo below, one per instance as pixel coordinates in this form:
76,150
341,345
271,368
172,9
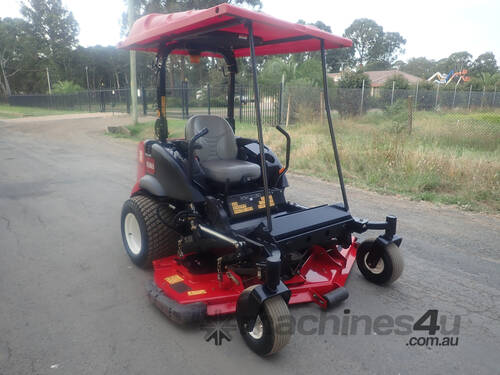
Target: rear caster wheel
388,268
272,328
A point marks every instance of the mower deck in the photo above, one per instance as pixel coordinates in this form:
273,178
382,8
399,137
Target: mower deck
323,272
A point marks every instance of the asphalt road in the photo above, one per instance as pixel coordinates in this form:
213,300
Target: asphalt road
72,303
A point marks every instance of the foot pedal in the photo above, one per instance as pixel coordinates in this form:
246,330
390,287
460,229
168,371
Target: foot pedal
336,296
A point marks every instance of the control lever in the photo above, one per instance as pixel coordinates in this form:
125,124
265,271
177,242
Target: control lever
192,147
288,145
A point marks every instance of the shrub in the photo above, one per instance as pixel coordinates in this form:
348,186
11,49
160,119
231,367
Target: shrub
348,95
66,87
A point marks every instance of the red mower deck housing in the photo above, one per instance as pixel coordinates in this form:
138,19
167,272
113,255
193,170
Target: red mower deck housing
322,273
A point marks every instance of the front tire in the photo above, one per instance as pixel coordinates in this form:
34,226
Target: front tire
272,328
144,234
387,270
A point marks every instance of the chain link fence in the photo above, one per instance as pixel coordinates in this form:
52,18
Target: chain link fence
182,102
289,104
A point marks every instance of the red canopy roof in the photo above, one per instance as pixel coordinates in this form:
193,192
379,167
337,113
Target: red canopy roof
273,36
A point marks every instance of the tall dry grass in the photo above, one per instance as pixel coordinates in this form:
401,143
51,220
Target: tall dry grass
438,161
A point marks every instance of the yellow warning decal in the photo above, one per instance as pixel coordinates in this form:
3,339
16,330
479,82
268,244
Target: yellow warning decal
173,279
197,292
240,208
262,202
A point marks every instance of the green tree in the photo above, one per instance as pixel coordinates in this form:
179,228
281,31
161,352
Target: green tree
275,68
420,67
459,61
400,82
354,80
66,87
310,70
484,63
54,30
371,43
15,51
336,58
391,46
377,65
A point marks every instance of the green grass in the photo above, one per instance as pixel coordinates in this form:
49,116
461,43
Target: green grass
145,130
450,158
7,111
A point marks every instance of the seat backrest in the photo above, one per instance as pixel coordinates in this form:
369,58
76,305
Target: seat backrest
218,143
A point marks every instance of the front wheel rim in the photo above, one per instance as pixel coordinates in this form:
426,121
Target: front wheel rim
378,269
258,329
133,234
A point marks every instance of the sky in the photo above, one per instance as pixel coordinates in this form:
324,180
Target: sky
433,29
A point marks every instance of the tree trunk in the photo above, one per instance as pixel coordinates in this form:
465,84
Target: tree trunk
6,85
3,92
117,80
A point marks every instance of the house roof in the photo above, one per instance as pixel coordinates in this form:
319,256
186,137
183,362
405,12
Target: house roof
378,78
225,24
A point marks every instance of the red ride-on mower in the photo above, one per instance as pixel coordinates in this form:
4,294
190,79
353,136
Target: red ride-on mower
209,213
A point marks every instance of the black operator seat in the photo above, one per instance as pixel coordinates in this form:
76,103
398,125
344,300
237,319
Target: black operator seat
218,153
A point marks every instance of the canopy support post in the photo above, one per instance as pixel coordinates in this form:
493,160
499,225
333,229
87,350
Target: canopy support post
263,166
230,99
161,123
232,66
330,125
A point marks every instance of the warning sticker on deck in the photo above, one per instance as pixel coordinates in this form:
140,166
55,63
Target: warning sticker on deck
197,292
173,279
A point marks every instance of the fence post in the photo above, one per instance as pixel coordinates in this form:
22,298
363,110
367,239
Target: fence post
88,97
183,99
410,114
416,96
362,97
187,98
470,94
208,98
392,95
241,103
128,101
144,101
280,106
437,96
482,96
288,110
321,107
454,96
494,96
102,99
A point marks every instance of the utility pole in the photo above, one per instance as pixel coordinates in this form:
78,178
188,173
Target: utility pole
88,86
133,78
48,80
87,75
